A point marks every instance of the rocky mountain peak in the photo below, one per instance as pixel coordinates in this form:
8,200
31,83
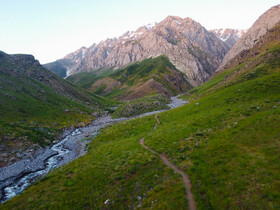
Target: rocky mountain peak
78,54
229,36
189,46
178,23
264,23
171,19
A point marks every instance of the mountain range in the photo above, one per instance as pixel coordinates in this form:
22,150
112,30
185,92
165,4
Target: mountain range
189,46
224,141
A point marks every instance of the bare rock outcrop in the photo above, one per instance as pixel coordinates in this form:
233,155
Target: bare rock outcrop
188,45
264,23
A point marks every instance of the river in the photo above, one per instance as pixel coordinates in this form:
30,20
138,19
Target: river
18,176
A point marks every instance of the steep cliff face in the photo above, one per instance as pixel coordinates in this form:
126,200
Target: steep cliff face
263,24
189,46
271,38
229,36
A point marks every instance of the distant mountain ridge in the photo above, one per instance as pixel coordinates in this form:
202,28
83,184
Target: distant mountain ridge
229,36
262,25
188,45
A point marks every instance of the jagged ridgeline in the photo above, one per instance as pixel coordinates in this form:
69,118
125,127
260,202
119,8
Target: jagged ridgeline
192,49
36,104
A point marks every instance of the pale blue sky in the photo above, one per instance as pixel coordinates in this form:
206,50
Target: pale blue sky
50,29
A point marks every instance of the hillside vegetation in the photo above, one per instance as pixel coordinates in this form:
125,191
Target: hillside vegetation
226,139
86,79
36,104
148,77
141,87
142,105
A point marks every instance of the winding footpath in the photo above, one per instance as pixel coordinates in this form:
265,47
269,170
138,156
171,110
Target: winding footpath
186,180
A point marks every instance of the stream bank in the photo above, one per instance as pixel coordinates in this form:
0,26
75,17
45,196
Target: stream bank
18,176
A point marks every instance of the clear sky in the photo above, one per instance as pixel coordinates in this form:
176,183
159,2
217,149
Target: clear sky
50,29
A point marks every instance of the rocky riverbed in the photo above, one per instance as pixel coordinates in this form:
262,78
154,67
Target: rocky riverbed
18,176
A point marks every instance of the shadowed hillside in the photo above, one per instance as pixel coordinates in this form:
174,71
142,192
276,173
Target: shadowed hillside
35,105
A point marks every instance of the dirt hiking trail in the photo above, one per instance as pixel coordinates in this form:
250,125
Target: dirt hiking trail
186,180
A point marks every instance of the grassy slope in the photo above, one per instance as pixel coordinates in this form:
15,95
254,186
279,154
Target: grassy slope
226,139
86,79
132,76
142,105
116,168
33,111
32,106
231,152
